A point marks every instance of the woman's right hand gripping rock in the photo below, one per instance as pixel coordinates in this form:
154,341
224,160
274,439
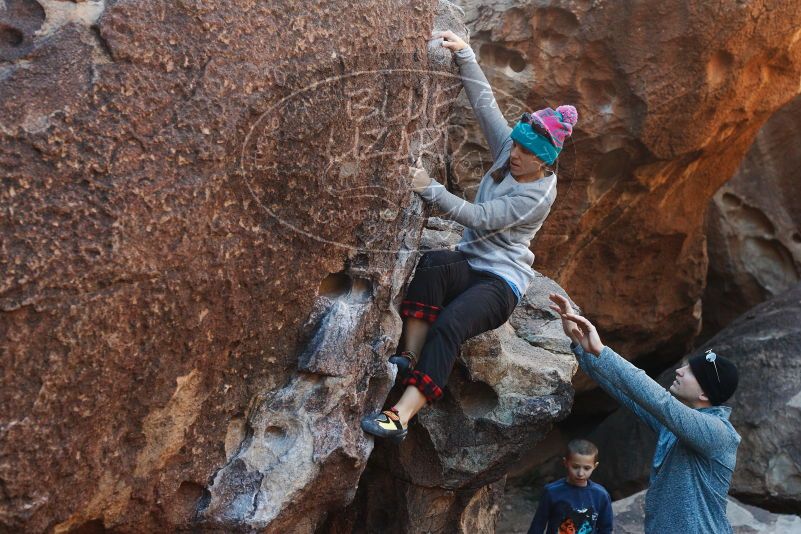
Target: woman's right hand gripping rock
450,40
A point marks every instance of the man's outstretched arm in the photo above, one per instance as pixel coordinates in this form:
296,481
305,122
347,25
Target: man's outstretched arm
700,431
562,306
585,362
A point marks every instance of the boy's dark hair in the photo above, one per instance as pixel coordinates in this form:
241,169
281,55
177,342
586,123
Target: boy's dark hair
583,447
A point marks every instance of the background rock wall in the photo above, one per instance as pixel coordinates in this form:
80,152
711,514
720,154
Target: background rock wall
677,199
670,97
750,226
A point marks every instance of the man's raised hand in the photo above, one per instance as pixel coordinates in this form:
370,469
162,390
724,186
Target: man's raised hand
576,327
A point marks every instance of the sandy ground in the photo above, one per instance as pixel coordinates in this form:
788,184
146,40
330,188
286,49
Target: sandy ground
517,510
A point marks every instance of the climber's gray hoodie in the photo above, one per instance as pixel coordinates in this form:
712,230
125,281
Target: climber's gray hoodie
695,453
506,214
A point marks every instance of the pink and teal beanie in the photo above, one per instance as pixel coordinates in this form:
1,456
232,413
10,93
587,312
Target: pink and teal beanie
544,132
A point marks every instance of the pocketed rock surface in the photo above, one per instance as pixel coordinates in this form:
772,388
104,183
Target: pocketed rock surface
753,224
206,234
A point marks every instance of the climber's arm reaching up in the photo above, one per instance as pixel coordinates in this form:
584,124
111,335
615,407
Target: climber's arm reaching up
479,93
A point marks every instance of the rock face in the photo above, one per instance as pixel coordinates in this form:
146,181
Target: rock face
753,224
205,235
508,387
670,97
766,410
744,519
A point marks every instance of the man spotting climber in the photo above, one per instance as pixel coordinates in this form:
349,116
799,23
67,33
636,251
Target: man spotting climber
697,445
457,294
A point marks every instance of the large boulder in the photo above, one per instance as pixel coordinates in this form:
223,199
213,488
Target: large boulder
206,230
670,97
207,233
753,224
765,343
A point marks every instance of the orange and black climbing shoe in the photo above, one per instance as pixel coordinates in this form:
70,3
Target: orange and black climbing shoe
405,361
385,424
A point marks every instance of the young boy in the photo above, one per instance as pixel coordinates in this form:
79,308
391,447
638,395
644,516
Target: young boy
575,504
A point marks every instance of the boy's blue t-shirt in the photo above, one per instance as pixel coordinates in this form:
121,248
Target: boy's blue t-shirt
588,510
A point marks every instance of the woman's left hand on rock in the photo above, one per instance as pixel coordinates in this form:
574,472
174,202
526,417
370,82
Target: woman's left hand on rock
420,178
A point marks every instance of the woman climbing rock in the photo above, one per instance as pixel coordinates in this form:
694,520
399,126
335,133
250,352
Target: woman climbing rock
455,295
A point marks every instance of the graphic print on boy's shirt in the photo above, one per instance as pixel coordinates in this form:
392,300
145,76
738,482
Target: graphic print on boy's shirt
572,521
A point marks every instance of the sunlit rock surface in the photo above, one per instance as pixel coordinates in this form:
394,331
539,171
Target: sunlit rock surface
670,97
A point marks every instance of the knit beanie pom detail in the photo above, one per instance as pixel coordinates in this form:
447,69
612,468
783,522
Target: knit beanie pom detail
569,114
545,131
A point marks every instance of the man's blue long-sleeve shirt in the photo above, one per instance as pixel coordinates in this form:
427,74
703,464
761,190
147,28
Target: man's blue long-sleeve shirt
695,454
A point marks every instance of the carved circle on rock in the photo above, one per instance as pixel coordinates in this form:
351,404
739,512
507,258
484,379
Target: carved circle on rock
344,174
